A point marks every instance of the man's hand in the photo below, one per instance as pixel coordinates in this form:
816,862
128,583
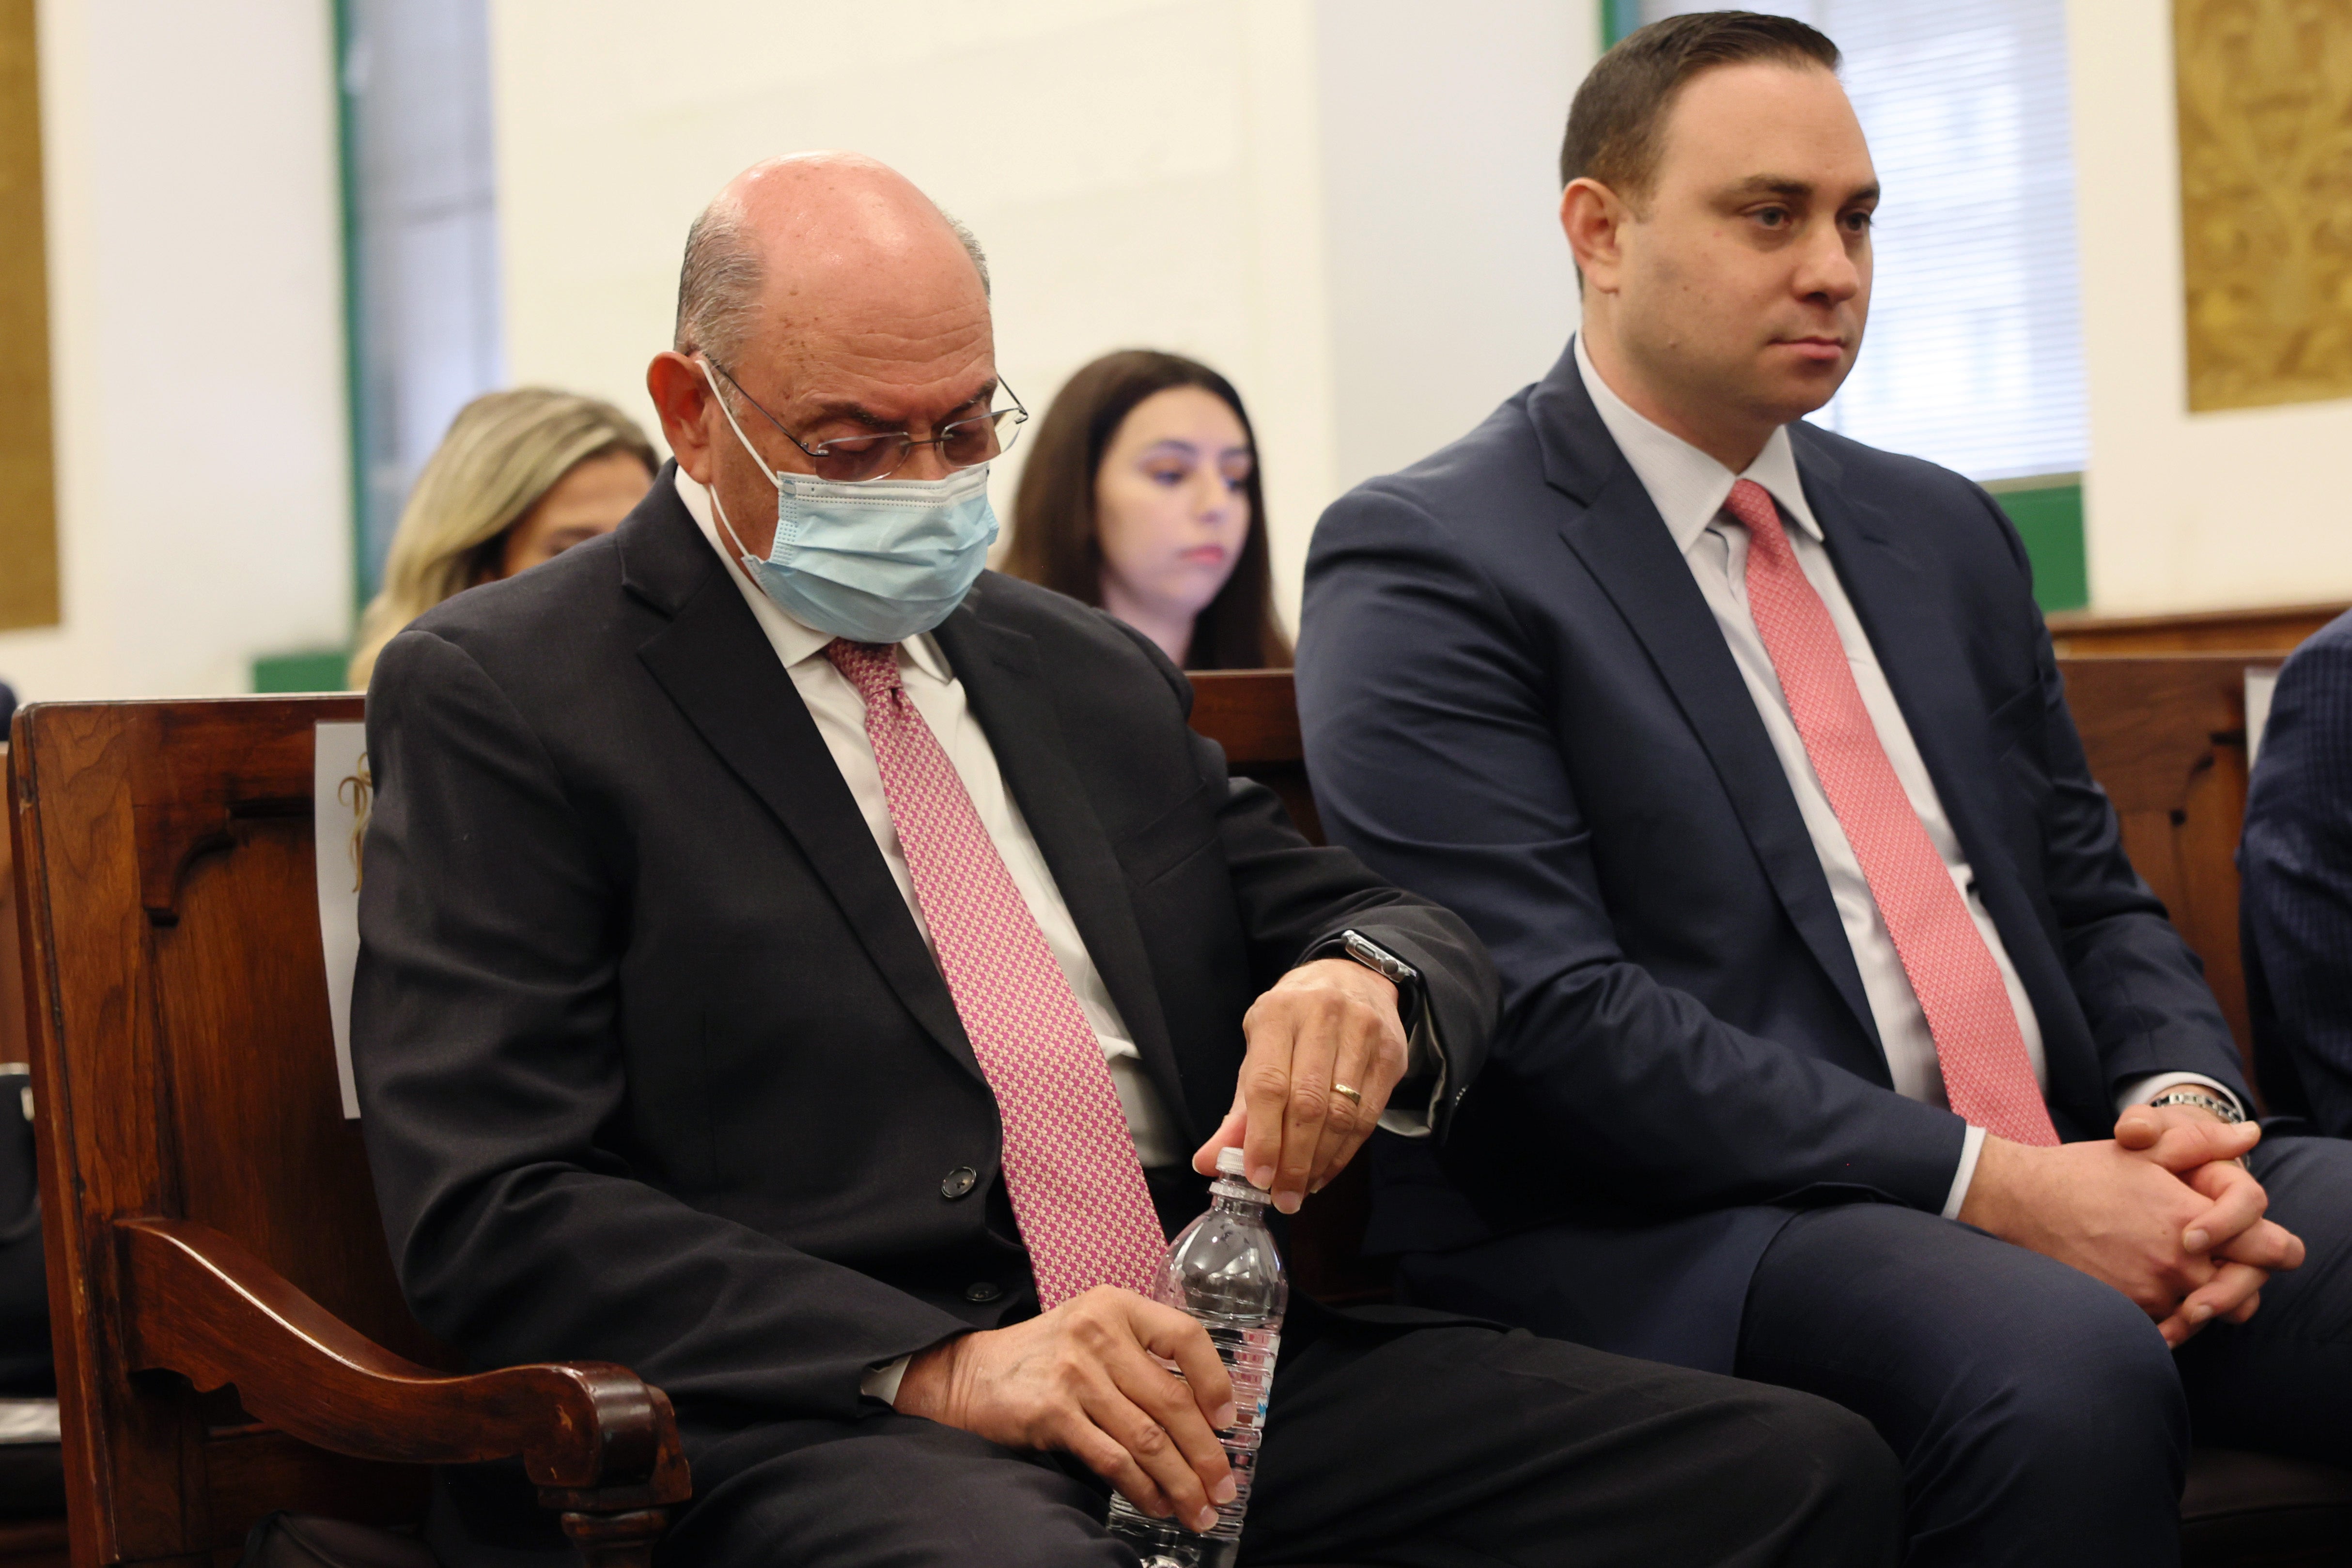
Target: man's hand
1330,1022
2207,1153
2125,1216
1081,1380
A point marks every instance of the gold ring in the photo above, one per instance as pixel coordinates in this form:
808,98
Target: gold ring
1354,1096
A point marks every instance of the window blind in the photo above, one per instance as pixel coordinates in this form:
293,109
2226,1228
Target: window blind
1973,356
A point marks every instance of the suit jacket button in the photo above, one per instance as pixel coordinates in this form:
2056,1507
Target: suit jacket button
982,1291
958,1181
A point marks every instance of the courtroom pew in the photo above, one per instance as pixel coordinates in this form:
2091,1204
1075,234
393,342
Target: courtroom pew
2166,738
230,1338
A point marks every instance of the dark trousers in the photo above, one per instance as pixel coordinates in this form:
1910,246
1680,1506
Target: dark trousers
1449,1446
2039,1415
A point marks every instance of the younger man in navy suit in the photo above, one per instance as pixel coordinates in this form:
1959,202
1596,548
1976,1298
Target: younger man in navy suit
1840,1047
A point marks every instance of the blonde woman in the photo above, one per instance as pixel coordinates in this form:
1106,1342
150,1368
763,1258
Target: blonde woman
521,477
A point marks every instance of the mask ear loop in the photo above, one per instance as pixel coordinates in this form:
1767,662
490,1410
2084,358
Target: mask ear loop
750,562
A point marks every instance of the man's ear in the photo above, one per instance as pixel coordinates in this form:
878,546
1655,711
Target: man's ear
681,396
1593,218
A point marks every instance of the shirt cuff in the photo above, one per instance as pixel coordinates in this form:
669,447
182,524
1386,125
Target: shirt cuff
1971,1147
882,1382
1423,1054
2140,1091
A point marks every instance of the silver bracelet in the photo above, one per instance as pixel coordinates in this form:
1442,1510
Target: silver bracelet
2202,1101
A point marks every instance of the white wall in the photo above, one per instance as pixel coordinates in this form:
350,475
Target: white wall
2185,511
1451,284
195,333
1143,172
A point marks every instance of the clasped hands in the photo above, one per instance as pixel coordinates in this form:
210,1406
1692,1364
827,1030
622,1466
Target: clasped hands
1086,1378
2164,1212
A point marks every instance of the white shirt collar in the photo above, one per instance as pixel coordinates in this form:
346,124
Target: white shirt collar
1686,485
794,640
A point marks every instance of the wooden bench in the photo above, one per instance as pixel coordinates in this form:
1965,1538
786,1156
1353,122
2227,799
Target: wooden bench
2166,736
230,1338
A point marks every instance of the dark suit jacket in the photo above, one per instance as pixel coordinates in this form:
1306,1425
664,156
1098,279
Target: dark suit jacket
2294,907
1516,702
656,1068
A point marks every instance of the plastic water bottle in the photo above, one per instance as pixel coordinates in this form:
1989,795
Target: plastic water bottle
1224,1271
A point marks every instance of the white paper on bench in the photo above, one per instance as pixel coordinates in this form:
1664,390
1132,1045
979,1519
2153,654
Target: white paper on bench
28,1420
2261,680
340,791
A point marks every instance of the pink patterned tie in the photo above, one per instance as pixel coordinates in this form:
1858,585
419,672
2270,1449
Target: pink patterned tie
1986,1074
1078,1188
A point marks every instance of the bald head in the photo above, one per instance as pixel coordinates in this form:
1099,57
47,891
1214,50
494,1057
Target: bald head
807,219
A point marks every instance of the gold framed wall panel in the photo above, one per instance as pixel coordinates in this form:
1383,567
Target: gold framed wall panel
2264,93
28,516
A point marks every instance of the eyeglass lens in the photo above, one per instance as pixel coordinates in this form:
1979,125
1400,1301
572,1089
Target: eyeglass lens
968,441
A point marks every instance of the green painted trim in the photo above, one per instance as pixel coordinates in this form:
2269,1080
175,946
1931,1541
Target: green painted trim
354,370
320,670
1618,18
2049,518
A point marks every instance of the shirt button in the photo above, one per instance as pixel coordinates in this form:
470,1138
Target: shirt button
958,1181
982,1291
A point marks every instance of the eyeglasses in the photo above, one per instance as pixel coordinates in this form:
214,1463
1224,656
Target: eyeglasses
858,459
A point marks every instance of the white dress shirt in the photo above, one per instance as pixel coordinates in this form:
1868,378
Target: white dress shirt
1688,487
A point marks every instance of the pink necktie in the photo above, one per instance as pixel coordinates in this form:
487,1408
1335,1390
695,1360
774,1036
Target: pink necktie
1986,1074
1078,1188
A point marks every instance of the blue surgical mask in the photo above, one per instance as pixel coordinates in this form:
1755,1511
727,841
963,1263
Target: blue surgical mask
877,563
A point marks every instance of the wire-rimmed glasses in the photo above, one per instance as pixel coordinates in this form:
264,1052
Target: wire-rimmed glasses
860,459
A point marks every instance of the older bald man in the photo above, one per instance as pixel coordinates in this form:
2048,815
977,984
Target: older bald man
797,963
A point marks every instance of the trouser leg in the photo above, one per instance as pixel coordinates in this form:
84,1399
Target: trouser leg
2037,1412
2282,1381
1472,1448
893,1491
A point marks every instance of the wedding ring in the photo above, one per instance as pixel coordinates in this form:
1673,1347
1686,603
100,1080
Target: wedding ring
1354,1096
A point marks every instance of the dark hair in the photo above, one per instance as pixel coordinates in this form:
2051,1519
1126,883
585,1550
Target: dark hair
1614,125
1054,541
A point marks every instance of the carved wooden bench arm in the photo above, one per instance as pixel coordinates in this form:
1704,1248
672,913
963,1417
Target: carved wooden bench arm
600,1444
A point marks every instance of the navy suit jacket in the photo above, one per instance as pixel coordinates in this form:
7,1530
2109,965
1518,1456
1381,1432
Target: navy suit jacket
1516,703
2294,910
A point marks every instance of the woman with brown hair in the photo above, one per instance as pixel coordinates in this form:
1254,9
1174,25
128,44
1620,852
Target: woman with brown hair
1142,497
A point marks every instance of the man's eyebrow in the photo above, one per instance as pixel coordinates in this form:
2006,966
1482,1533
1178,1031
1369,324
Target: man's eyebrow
1773,186
1791,189
858,414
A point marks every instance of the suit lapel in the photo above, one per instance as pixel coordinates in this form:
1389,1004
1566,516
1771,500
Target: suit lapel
719,668
1625,545
1003,680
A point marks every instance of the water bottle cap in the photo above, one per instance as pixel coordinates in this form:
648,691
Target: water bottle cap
1229,1163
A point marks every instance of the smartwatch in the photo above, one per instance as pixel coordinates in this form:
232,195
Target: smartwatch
1371,956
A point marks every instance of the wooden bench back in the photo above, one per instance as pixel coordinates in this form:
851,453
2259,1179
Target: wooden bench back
183,1068
2166,736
